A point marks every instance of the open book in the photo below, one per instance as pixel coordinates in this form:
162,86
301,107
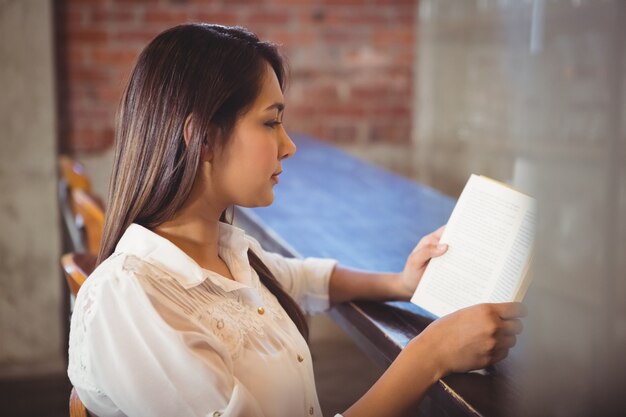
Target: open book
490,238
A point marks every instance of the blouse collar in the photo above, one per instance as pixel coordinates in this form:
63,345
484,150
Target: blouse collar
160,252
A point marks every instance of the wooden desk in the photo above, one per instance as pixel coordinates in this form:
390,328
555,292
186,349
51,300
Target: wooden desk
329,204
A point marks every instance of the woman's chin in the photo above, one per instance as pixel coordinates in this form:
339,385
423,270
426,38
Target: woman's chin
265,201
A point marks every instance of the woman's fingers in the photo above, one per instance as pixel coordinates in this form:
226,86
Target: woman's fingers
422,254
430,243
506,342
499,347
511,327
435,250
431,238
498,355
476,336
437,233
507,311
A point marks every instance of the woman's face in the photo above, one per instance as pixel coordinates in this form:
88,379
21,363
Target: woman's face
247,169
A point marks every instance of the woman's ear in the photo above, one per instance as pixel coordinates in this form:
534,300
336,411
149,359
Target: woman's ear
188,132
188,129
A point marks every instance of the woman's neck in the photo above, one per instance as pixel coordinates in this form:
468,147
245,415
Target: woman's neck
195,230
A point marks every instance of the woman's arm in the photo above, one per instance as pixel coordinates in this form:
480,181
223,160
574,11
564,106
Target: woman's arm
351,284
471,338
402,386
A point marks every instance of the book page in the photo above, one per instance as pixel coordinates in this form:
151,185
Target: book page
489,237
509,283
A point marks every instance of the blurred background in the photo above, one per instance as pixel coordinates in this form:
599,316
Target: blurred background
531,92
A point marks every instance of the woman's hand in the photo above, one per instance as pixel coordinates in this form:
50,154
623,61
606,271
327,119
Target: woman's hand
474,337
427,248
468,339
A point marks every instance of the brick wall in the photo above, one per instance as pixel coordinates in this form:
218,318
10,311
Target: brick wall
351,62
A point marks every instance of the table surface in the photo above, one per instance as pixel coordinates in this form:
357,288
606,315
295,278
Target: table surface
330,204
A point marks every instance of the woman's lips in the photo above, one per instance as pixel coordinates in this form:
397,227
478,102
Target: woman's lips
275,176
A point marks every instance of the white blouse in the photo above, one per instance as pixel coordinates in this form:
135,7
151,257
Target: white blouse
154,334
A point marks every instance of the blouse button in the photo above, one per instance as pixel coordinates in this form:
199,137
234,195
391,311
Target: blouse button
311,411
300,358
260,310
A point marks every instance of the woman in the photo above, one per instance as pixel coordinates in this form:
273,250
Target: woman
185,314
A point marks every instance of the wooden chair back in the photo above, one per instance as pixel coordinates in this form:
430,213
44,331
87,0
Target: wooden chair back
92,216
73,173
72,176
77,267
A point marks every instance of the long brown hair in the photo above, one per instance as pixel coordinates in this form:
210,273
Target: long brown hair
208,70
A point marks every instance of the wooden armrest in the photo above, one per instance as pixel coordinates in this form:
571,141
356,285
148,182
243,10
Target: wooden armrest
77,408
73,173
88,207
77,267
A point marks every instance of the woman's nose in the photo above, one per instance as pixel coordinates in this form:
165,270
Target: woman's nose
287,147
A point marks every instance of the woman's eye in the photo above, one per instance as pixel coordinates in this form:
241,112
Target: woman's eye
272,124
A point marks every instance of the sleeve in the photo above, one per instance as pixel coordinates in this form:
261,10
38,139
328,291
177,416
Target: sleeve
305,280
141,366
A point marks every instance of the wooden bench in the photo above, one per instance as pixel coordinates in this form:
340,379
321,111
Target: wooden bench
329,204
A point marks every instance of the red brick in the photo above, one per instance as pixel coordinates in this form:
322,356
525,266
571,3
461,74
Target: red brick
403,58
340,134
118,16
372,17
345,111
269,17
218,17
325,2
321,93
90,139
86,34
84,109
235,4
108,56
305,74
296,111
395,110
97,74
377,92
166,17
291,38
76,56
75,17
139,36
109,93
150,3
390,133
393,37
396,3
289,3
344,35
